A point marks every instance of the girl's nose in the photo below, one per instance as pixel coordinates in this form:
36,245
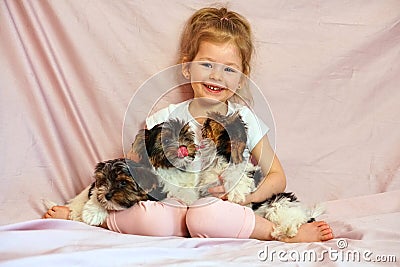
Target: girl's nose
216,73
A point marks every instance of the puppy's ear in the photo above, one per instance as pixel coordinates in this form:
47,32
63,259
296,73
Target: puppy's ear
145,178
139,144
99,167
237,131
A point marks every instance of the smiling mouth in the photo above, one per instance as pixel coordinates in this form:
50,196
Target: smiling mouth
213,88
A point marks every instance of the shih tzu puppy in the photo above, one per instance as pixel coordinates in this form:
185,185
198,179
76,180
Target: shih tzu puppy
229,133
119,184
169,148
287,213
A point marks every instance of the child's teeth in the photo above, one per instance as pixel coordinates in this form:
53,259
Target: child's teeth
213,88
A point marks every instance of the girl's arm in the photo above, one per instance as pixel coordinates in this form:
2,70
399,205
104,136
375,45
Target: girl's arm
275,180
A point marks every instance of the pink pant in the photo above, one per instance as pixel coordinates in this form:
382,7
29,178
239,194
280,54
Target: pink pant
208,217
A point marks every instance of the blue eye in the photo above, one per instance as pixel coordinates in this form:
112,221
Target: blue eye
230,70
206,64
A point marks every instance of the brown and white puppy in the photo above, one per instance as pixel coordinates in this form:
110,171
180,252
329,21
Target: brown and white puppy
119,184
229,133
170,149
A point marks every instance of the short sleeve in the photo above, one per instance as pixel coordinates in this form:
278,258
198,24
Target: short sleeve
158,117
256,128
172,111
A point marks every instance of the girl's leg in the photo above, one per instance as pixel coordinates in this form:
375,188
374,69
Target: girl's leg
211,217
151,218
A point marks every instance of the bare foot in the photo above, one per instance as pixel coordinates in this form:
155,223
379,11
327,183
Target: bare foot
57,212
312,232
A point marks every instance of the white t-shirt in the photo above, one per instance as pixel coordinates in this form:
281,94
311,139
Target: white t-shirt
256,128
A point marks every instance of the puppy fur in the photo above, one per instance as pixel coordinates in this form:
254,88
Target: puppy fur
229,134
169,148
119,184
160,146
283,209
287,213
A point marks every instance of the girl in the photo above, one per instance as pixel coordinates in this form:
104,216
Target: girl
215,51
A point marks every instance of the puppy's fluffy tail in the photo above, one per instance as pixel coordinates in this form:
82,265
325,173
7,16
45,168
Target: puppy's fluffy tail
316,211
48,204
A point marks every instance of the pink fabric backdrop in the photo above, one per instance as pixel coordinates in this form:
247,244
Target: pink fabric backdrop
329,70
69,69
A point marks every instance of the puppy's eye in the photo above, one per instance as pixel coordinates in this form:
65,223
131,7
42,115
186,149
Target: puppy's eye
122,184
166,141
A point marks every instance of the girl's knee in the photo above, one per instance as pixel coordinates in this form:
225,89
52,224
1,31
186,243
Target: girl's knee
150,218
220,219
201,217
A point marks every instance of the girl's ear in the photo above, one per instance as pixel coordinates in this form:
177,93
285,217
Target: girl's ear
186,68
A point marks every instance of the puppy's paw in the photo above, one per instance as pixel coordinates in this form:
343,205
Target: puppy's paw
236,196
94,215
292,230
279,232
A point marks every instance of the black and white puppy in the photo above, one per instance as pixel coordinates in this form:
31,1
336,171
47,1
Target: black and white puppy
119,184
287,213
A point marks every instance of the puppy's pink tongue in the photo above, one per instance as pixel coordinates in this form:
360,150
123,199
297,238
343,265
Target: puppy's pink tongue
182,152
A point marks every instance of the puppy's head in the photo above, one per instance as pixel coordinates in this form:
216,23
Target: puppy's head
166,145
229,133
121,183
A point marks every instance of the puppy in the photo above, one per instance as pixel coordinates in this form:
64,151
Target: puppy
170,149
119,184
287,213
167,145
229,133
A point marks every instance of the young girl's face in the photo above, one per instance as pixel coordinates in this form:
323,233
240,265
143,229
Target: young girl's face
216,71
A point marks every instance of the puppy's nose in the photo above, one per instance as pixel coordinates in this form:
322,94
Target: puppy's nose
109,196
183,152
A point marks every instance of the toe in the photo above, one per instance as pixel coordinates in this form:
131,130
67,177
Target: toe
326,235
323,227
326,232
